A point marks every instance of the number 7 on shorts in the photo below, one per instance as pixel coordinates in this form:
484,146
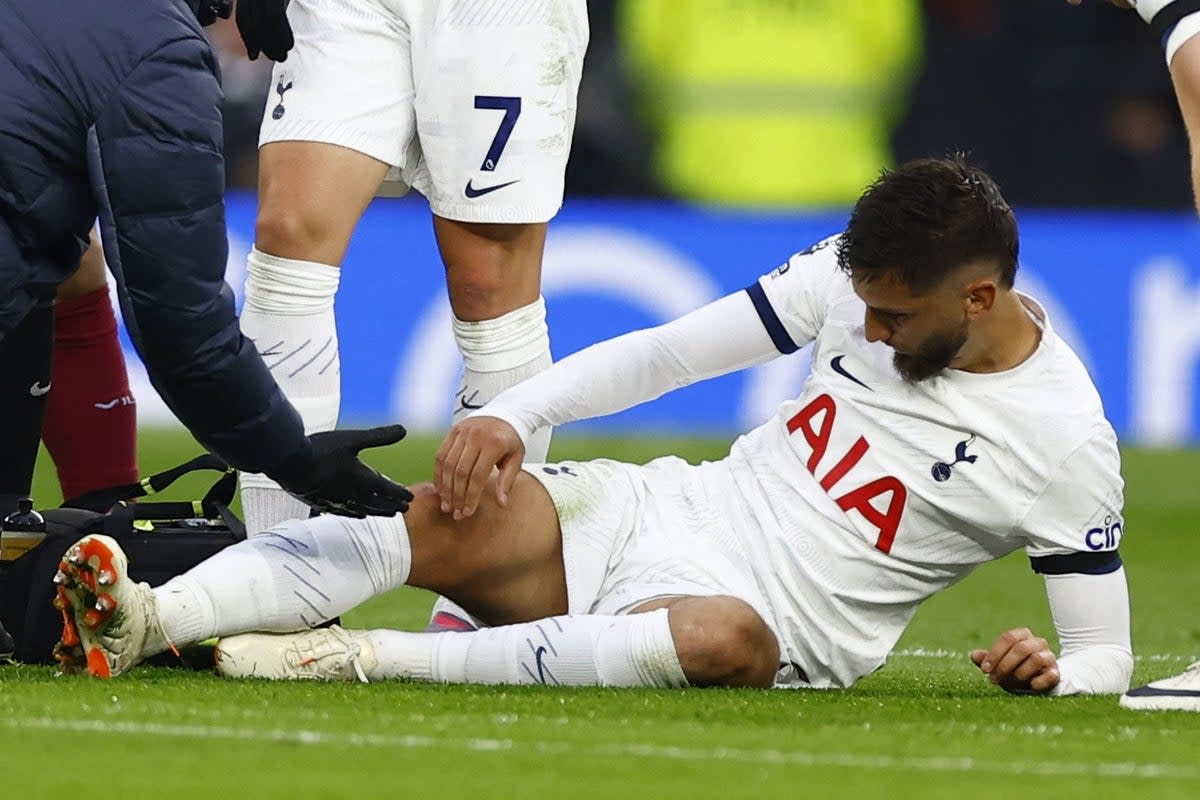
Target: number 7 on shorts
511,106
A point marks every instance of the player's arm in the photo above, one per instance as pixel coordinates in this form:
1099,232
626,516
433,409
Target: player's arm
157,171
1185,74
158,175
776,315
1073,530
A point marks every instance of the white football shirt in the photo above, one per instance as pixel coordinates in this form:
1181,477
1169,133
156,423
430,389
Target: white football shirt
867,494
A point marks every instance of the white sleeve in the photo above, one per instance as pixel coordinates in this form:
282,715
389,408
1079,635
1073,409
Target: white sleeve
778,314
794,300
1091,615
619,373
1079,510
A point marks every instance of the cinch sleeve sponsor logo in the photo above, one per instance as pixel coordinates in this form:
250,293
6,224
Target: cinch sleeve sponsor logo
1106,537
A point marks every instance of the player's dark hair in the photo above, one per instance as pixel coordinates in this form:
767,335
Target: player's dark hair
925,219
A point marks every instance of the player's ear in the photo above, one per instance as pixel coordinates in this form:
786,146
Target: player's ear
979,297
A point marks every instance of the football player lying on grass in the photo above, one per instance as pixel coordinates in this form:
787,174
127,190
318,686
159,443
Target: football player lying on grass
945,424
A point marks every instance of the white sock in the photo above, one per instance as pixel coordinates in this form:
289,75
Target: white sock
630,650
499,353
289,315
286,579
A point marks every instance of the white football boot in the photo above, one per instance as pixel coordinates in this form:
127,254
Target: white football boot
322,654
1178,693
110,623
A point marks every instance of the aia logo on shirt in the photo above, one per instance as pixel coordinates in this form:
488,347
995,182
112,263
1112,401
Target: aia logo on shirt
880,501
1105,537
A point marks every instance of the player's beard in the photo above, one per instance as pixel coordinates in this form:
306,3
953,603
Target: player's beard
932,356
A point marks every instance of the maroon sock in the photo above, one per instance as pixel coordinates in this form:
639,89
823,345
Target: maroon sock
91,420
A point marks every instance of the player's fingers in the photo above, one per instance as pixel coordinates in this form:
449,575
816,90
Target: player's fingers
1045,680
1004,642
1034,664
1007,667
1004,666
510,467
446,463
478,481
977,657
439,457
462,474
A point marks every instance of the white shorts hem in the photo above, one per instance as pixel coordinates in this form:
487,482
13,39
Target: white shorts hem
335,133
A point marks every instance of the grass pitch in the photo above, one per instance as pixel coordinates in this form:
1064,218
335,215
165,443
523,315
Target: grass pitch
927,725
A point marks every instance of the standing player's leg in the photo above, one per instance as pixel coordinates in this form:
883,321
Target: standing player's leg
339,116
493,277
495,107
495,104
311,195
90,429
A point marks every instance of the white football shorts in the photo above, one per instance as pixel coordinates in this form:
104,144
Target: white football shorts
472,102
637,533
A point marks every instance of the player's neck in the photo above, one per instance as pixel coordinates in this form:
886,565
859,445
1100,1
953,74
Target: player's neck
1004,339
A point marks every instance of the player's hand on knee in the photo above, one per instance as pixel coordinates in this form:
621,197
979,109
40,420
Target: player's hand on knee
472,449
265,29
1019,662
331,479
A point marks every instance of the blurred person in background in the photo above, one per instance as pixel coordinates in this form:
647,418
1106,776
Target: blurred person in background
1176,26
1004,78
770,102
611,152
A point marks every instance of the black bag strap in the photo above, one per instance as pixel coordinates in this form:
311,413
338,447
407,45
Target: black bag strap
120,515
101,500
120,521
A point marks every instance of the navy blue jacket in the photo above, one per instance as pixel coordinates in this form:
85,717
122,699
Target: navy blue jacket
112,109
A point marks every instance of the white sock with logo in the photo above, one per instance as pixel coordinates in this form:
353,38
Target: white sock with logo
499,353
290,578
289,315
630,650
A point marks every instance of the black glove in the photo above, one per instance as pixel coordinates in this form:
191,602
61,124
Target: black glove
210,10
330,478
265,29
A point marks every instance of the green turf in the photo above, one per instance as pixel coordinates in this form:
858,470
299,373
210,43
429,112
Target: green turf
925,726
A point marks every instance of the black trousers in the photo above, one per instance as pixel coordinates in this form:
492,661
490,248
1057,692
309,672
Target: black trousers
26,356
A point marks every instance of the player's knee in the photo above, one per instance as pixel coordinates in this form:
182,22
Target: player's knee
722,641
442,560
288,231
479,294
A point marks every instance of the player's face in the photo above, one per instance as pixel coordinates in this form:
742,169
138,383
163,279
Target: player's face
926,331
